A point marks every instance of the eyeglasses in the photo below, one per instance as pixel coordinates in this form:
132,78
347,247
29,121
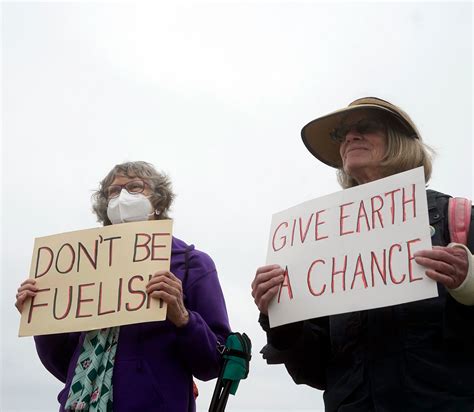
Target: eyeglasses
362,126
132,187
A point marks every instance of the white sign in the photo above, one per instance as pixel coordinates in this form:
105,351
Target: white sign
352,250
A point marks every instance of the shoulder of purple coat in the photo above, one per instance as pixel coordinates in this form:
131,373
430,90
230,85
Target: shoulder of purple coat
197,259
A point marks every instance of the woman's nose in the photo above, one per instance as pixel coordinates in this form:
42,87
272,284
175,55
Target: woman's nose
352,135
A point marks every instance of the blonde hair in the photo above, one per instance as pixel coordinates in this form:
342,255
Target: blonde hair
161,198
403,153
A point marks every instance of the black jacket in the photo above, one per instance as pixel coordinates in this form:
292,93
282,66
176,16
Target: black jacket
417,356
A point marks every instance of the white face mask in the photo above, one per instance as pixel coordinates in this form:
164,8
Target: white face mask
129,208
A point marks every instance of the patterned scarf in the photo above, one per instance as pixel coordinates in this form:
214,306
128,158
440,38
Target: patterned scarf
91,386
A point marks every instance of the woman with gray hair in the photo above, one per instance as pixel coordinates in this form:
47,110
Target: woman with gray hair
152,363
415,356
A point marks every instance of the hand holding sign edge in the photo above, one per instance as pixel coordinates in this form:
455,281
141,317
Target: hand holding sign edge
166,286
265,285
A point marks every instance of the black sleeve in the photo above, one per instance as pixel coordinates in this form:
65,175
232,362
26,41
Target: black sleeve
303,347
470,237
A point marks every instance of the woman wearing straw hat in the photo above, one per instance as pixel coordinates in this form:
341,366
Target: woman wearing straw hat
417,356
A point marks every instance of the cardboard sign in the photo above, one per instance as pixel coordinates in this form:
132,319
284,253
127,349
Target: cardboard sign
96,278
352,250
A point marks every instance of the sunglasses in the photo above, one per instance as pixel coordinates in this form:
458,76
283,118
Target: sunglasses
362,126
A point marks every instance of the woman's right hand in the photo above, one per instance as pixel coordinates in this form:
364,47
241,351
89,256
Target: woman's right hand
26,290
265,285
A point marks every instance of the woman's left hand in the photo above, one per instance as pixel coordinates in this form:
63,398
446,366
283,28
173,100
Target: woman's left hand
166,286
446,265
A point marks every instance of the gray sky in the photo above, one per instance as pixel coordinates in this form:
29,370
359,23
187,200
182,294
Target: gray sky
215,95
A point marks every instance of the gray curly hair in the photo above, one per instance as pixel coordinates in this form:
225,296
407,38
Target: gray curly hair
161,198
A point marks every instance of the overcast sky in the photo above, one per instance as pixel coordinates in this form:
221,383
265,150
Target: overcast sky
215,95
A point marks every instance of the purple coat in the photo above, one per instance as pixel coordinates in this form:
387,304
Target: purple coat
155,361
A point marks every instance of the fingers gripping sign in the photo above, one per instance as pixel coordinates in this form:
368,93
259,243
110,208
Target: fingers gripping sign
166,286
27,290
446,265
266,285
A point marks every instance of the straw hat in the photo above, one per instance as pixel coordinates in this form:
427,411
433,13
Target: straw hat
316,134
